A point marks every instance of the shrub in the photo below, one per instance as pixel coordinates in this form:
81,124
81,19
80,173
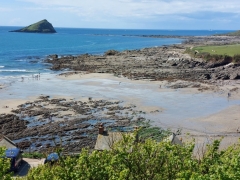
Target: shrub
146,160
236,58
4,166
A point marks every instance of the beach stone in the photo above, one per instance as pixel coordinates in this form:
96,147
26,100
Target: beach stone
234,76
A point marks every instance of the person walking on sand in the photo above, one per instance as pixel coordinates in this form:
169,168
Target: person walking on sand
229,94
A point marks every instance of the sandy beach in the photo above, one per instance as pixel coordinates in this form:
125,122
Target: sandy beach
114,91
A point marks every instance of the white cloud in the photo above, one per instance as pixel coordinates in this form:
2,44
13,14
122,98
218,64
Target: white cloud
140,8
133,13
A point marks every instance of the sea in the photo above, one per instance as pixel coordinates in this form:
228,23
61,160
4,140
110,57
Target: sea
22,54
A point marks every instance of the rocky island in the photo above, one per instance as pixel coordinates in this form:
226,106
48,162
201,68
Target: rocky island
40,27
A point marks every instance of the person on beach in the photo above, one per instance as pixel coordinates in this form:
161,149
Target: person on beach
229,94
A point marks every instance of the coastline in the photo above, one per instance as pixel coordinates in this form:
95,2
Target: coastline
135,86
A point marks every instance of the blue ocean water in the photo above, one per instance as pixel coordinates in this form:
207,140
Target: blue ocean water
21,54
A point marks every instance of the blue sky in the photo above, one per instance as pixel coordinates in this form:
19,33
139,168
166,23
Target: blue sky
124,14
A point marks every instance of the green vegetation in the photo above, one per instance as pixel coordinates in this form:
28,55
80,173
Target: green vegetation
224,53
40,27
236,33
34,155
229,50
4,166
145,160
154,133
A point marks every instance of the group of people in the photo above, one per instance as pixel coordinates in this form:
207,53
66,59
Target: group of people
37,77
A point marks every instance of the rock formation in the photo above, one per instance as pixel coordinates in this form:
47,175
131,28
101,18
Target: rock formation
40,27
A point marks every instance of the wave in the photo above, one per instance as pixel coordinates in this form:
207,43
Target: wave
15,70
17,77
22,60
2,66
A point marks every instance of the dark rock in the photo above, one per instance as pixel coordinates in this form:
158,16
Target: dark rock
24,144
110,53
234,75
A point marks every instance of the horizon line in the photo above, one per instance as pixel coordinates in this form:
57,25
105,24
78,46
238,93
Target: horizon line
136,28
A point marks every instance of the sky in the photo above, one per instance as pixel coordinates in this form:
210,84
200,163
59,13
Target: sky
124,14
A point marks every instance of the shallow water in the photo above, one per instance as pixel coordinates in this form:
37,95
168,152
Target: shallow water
179,108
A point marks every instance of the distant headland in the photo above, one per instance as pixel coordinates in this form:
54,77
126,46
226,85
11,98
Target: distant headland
40,27
234,33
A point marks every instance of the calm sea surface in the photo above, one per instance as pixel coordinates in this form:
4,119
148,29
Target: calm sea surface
21,54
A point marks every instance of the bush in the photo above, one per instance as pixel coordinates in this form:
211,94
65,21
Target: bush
236,58
4,166
148,160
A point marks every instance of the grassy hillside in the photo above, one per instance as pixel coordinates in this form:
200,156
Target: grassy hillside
40,27
236,33
229,50
224,54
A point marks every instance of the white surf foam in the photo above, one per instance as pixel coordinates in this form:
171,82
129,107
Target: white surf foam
14,70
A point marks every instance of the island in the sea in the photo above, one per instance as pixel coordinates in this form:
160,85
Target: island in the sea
40,27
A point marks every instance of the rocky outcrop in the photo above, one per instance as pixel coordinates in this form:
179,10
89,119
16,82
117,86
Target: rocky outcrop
160,63
40,27
34,125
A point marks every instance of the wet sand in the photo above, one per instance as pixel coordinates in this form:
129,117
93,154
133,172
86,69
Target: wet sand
206,115
185,108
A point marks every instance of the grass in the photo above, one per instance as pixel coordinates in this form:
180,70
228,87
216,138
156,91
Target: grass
34,155
43,26
236,33
229,50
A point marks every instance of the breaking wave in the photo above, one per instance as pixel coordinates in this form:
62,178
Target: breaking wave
15,70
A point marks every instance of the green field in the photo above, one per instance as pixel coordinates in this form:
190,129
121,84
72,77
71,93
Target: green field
230,50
